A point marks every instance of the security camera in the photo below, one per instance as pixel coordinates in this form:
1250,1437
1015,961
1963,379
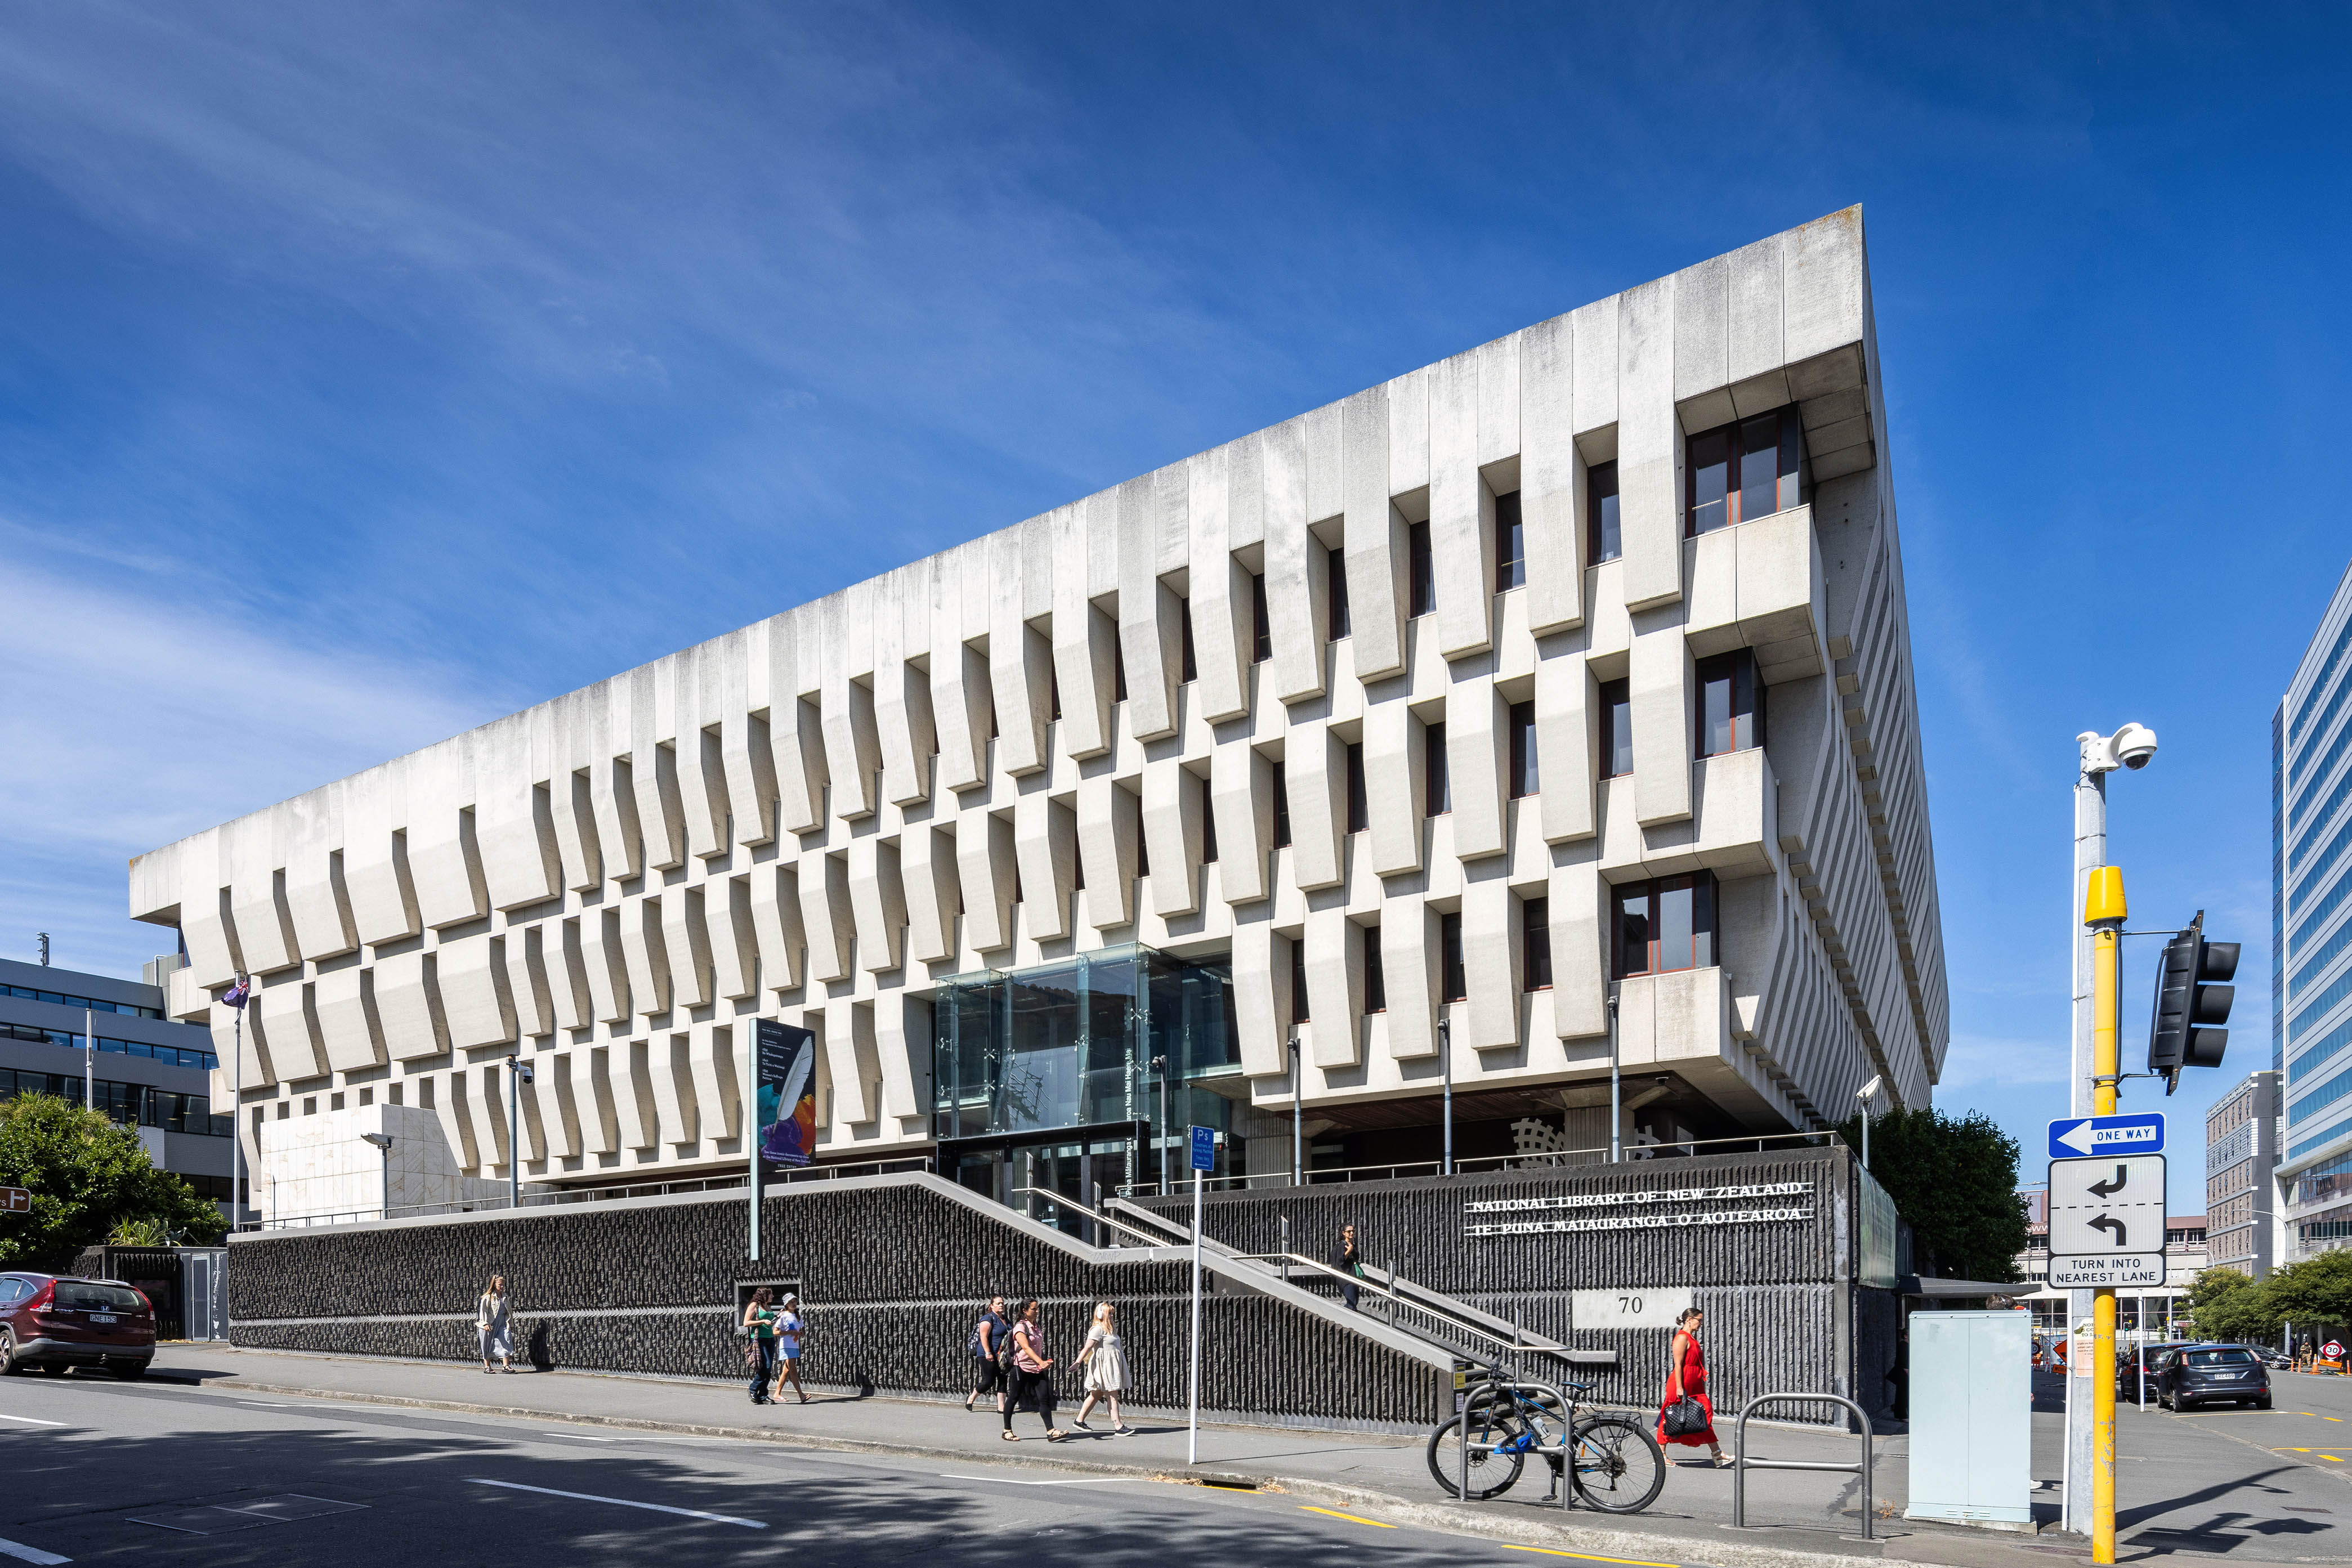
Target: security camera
2134,746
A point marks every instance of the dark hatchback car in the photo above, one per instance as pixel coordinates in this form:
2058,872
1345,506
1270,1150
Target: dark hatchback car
2129,1368
2213,1374
53,1324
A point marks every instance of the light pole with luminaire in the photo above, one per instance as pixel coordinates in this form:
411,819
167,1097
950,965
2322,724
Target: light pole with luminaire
1864,1094
382,1142
518,1074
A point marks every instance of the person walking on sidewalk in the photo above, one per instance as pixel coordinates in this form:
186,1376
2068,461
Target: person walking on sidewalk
1105,1358
1686,1414
760,1322
1032,1373
988,1337
790,1327
1349,1260
493,1326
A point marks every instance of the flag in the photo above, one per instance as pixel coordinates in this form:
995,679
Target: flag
235,996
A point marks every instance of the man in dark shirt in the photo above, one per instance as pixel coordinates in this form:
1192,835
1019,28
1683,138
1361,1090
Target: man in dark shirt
1350,1264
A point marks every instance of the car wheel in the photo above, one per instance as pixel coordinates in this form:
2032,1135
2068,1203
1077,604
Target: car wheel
129,1371
2261,1403
9,1366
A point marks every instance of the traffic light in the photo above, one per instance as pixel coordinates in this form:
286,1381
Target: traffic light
2191,995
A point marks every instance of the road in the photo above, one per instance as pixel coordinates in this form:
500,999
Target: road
2202,1488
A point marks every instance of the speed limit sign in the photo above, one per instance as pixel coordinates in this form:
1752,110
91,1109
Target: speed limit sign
2333,1351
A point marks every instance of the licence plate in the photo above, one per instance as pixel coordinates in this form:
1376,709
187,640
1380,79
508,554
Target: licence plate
101,1317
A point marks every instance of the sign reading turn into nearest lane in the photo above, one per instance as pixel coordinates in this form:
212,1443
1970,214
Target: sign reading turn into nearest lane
2078,1137
2106,1222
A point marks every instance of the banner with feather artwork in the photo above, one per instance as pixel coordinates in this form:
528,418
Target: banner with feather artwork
787,1078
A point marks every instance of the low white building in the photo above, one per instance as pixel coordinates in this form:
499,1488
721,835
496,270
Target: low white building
1566,678
2155,1314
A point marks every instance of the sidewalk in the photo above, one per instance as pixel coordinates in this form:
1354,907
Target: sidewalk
1814,1517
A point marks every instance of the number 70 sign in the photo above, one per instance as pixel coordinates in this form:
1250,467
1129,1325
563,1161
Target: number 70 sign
1628,1309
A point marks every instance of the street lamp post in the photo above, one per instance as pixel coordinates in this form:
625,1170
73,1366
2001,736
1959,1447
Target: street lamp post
518,1074
382,1142
1616,1088
1445,1055
1865,1094
1297,1137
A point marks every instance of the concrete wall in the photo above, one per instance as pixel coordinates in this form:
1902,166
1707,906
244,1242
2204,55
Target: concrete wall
820,816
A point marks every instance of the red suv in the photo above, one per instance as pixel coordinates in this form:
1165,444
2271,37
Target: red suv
57,1324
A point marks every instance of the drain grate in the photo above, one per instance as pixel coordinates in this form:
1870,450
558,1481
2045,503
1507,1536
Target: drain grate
1230,1486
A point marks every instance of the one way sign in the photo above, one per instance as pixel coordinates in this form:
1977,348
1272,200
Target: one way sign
2078,1136
2107,1221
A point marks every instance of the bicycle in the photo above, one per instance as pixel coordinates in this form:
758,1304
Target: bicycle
1617,1466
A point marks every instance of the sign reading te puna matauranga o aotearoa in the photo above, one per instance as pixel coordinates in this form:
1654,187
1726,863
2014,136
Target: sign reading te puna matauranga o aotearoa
1645,1210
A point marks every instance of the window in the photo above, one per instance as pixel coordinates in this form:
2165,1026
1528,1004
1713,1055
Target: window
90,1004
1510,544
1525,779
1208,825
1192,671
1421,576
1299,1010
1054,691
1730,704
1262,645
1603,540
1437,788
1335,568
1118,670
1535,943
1616,728
1452,987
1281,808
1742,471
1376,977
1360,809
1664,926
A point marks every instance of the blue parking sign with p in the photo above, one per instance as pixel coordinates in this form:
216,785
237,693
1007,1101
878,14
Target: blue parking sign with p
1204,1148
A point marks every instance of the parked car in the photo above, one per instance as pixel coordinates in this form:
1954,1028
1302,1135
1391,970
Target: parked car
2277,1360
57,1323
2210,1374
2129,1363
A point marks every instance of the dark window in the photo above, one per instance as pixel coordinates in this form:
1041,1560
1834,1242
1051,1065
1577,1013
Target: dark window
1452,987
1281,808
1184,620
1376,979
1118,670
1730,704
1510,544
1421,575
1336,565
1663,925
1524,778
1143,855
1436,784
1616,728
1535,943
1299,1010
1054,690
1742,471
1360,811
1262,645
1208,825
1603,540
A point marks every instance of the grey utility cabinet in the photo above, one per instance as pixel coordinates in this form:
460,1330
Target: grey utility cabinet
1972,1418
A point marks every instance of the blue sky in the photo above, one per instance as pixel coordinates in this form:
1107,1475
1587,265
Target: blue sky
366,373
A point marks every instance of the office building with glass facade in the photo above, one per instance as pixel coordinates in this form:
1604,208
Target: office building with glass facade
1551,702
2311,934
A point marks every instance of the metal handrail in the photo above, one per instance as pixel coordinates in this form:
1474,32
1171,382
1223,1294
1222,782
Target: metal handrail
1064,1201
1340,1174
1365,1282
1741,1464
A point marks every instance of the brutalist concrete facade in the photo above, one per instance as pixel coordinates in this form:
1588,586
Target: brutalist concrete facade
1409,726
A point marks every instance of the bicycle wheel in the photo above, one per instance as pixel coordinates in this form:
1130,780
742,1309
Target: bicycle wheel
1490,1473
1618,1466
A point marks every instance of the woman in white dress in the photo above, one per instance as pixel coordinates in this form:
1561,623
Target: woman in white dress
1105,1359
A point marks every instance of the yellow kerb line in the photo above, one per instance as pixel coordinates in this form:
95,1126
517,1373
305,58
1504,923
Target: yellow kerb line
1351,1518
1587,1556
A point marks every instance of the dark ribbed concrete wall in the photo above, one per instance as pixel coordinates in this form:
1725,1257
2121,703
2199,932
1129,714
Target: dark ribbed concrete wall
892,1276
1782,1313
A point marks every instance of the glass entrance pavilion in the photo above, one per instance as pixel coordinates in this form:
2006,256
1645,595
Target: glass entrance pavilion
1079,1077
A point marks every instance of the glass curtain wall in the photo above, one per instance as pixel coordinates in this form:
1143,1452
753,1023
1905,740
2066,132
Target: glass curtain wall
1068,1077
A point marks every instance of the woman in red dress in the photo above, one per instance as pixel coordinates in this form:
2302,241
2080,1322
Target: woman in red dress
1686,1373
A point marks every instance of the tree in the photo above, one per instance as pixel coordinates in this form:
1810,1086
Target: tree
1955,1179
2225,1304
87,1176
2313,1293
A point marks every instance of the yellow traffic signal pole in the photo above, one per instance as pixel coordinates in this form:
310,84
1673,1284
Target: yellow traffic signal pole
2103,912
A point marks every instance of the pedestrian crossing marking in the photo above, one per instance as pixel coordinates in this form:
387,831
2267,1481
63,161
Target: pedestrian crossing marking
1351,1518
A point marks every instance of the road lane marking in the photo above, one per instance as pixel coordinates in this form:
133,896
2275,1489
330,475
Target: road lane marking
623,1502
1350,1518
1587,1556
1012,1481
24,1553
31,1421
2337,1457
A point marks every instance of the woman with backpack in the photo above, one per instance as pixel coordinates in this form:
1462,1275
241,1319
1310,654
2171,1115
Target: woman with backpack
1686,1414
988,1335
1032,1372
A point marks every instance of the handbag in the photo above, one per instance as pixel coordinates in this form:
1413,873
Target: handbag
1685,1417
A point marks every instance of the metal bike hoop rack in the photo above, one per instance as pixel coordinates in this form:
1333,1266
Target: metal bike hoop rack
1566,1409
1741,1464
